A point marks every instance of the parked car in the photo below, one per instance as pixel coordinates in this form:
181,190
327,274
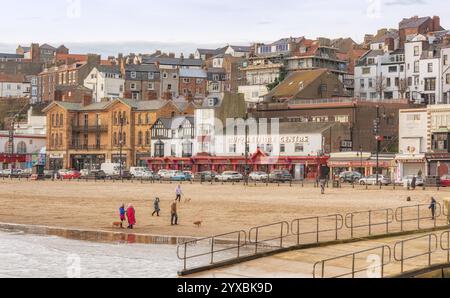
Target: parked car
445,181
204,176
229,176
372,180
50,174
258,176
167,174
280,176
70,175
189,175
180,176
96,174
350,177
419,180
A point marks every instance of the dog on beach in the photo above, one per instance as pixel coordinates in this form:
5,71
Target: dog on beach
117,224
198,224
187,200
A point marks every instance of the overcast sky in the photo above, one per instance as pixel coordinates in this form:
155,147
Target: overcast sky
110,26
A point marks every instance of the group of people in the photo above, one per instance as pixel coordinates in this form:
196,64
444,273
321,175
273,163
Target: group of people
129,214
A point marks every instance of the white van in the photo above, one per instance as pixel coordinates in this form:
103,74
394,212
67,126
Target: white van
140,172
111,169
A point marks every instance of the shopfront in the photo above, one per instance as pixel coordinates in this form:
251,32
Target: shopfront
305,167
364,163
438,164
87,161
56,161
409,165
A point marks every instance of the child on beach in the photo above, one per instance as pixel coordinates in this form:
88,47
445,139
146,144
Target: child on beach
122,215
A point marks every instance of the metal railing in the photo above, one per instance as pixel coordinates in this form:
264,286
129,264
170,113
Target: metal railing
445,244
388,217
399,250
239,241
336,218
274,236
267,229
385,257
401,212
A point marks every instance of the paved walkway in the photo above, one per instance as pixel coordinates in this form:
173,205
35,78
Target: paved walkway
299,264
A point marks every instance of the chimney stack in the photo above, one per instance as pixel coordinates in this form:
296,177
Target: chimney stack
436,23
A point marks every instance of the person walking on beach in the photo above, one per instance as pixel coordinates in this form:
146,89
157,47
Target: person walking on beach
178,192
122,215
131,215
156,207
174,213
433,208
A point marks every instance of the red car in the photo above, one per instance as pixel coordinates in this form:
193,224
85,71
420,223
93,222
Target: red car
445,181
69,175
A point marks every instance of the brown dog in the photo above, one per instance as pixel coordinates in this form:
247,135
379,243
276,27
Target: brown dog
198,223
187,200
117,224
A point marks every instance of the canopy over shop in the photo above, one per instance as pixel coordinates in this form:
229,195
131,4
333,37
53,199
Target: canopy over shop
300,166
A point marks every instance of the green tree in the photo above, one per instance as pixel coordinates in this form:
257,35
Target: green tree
278,80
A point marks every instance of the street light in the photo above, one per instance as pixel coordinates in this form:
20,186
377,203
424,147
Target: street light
378,138
121,143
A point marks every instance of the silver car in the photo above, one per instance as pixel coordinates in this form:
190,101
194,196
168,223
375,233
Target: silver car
372,180
230,177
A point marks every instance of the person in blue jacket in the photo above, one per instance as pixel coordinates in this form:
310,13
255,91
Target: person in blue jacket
433,208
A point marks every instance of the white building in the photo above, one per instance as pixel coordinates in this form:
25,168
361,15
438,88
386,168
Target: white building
253,94
413,132
173,137
106,82
29,141
14,86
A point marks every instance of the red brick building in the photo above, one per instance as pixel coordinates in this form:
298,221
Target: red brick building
418,25
193,83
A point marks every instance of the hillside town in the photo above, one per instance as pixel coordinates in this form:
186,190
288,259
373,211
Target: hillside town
296,104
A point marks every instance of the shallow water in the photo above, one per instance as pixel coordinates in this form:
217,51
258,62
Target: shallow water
26,256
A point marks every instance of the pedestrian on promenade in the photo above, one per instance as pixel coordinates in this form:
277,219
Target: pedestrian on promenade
131,215
413,183
178,192
122,215
433,208
174,213
156,207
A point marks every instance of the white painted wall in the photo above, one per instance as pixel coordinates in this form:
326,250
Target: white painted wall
104,86
413,131
13,89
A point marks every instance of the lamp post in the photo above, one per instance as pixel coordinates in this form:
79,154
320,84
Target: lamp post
121,142
361,161
246,148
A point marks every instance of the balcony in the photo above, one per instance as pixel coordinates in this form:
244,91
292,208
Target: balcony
88,147
90,128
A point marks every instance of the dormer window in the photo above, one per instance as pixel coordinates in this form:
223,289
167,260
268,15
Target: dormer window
133,74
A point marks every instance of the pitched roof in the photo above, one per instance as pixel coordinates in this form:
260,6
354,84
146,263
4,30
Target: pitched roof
413,22
172,61
7,78
193,73
241,48
295,83
47,46
10,56
108,69
141,67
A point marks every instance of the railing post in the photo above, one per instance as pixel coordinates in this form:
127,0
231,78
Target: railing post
370,222
352,232
387,221
239,245
337,237
353,265
317,230
401,220
382,262
298,232
256,241
402,257
429,250
185,256
212,250
281,236
323,269
418,217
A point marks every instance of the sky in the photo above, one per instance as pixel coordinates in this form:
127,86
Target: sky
142,26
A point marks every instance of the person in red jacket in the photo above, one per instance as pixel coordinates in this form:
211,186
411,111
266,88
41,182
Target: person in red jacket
131,215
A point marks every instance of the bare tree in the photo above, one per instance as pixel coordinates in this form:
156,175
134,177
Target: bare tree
403,87
380,85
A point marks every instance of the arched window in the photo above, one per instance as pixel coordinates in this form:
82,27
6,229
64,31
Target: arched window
57,120
124,138
21,147
115,138
140,119
8,147
53,120
61,120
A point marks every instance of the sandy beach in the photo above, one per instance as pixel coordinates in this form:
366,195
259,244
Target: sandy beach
221,208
